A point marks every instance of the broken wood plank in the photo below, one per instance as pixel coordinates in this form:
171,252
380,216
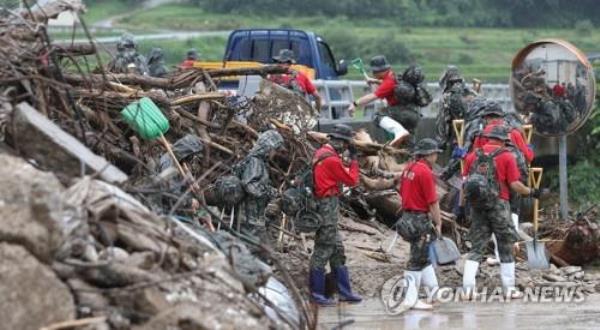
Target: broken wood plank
51,147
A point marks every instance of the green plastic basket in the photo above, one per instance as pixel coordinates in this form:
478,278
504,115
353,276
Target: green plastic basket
146,119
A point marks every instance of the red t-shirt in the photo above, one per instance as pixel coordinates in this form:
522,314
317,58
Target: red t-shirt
417,187
301,79
507,171
558,90
386,89
330,172
187,64
516,137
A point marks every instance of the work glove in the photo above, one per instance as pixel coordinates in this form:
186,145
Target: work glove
535,193
352,152
458,153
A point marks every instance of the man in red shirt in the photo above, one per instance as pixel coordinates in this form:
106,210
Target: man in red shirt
329,175
294,80
493,116
491,172
396,121
190,58
420,205
559,90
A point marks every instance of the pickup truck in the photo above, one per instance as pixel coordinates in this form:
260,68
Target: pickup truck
254,47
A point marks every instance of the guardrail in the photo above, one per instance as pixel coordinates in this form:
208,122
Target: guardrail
338,94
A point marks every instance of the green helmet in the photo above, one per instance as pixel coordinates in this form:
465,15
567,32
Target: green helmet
426,146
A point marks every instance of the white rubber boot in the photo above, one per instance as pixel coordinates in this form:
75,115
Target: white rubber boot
469,273
393,127
414,293
429,280
507,275
515,220
491,261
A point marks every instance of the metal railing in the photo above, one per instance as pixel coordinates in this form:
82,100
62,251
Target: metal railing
338,94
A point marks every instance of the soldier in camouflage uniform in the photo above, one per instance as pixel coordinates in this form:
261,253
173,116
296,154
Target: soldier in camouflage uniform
156,63
453,104
254,175
493,216
329,174
128,60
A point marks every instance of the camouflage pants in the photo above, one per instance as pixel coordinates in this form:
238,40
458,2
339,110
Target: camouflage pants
496,221
416,229
254,223
328,242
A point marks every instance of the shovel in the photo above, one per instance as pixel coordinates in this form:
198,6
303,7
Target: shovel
358,64
459,131
536,251
144,117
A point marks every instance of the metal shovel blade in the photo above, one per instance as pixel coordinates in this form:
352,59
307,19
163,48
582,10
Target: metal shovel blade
536,255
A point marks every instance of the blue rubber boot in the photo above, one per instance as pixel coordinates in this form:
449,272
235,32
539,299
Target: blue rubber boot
343,284
317,288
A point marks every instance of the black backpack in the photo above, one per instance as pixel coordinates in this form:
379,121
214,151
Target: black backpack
299,203
482,189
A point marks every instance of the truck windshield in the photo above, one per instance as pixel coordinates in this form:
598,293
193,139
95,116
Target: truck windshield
262,45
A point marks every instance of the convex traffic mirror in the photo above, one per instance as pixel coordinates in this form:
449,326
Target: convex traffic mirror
553,86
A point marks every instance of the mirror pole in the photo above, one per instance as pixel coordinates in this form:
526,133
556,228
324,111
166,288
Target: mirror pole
562,171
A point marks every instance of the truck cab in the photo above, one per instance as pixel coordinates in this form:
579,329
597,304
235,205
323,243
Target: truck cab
255,47
260,45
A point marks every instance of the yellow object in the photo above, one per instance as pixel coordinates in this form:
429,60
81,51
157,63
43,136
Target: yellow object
309,72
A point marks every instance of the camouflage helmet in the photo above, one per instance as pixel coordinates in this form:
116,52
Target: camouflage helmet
156,54
451,74
379,64
285,56
127,41
477,104
341,132
413,75
426,146
192,54
498,132
492,108
270,139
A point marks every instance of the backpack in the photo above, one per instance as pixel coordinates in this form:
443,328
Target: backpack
229,188
482,190
299,202
404,91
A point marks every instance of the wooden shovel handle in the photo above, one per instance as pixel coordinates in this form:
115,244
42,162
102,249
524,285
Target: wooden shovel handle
535,179
167,146
528,130
459,131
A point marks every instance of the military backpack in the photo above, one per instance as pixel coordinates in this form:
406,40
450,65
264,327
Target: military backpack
299,203
482,189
